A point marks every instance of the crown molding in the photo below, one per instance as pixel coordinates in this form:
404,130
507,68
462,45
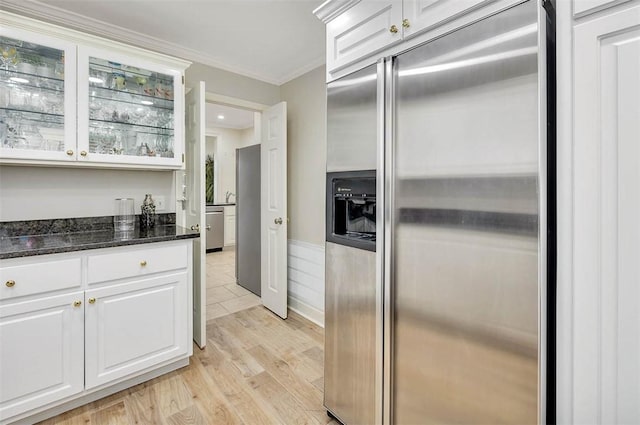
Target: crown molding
303,70
85,25
332,8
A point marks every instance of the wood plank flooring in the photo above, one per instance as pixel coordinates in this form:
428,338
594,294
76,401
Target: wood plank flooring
256,369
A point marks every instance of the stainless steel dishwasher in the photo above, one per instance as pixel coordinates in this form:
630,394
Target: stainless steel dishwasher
215,228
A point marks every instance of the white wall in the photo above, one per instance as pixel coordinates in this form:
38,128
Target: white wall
33,193
306,159
248,138
224,152
229,84
307,155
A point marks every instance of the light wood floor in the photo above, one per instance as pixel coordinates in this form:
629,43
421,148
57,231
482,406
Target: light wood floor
256,369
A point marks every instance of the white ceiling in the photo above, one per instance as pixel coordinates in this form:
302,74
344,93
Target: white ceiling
271,40
235,118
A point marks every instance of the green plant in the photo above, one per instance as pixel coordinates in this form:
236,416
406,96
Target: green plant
208,174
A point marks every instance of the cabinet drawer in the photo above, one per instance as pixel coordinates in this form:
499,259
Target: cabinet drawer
134,262
34,278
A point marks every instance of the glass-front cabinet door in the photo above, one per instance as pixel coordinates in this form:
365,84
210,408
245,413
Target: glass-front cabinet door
129,111
37,97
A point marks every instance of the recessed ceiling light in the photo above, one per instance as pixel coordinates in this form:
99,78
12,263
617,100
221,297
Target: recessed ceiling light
18,80
96,80
220,117
146,102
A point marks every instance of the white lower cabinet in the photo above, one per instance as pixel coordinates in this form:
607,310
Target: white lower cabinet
67,330
41,352
230,225
133,326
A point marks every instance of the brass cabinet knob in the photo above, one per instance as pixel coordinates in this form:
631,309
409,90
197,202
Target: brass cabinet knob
10,283
92,300
278,220
70,152
393,29
77,303
83,153
143,263
405,23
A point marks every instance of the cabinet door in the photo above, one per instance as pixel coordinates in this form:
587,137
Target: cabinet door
41,352
134,326
421,15
229,226
363,30
37,97
583,7
606,231
129,111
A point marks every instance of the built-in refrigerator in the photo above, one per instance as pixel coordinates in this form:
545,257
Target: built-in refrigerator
449,317
248,249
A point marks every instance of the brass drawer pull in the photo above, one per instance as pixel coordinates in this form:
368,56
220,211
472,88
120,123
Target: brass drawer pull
92,300
393,29
143,263
10,283
77,303
70,152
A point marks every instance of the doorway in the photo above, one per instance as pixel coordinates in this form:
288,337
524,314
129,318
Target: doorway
230,132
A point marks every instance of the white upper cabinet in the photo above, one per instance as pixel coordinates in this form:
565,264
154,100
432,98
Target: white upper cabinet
37,96
359,29
129,110
583,7
420,15
365,28
73,99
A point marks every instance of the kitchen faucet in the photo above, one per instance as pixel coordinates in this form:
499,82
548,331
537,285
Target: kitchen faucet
228,195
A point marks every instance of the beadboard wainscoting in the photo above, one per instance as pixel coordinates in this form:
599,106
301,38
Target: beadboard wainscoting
306,280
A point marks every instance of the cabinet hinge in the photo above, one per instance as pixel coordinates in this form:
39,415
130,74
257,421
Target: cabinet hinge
183,80
183,158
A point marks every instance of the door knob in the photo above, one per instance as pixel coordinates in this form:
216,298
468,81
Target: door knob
208,227
278,220
196,227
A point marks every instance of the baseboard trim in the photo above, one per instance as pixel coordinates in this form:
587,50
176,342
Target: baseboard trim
308,312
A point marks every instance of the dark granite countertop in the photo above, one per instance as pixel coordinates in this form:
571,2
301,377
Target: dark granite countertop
41,237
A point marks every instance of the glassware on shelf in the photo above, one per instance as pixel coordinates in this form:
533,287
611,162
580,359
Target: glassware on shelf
9,55
132,113
31,96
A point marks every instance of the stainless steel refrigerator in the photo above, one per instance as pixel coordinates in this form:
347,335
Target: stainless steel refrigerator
454,316
248,218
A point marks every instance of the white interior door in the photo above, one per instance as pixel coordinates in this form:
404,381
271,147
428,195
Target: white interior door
195,205
273,192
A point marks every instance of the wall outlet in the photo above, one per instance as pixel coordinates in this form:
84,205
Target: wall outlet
160,203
